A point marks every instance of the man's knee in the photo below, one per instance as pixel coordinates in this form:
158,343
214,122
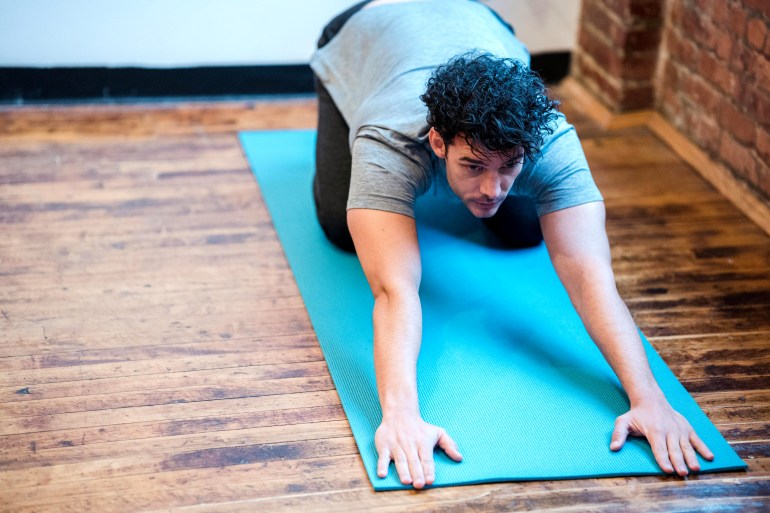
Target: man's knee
335,227
516,223
527,237
333,217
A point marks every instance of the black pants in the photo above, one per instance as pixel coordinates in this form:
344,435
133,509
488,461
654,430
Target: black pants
515,223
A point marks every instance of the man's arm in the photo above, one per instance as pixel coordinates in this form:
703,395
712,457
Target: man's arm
386,244
578,246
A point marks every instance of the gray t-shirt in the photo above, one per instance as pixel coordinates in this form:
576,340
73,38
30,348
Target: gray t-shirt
375,69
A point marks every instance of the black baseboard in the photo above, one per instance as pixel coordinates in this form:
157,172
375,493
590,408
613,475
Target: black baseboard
46,85
35,85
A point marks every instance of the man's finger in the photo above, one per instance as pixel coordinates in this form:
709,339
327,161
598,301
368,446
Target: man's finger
675,454
620,433
428,468
700,446
449,446
415,469
689,455
383,462
660,451
402,467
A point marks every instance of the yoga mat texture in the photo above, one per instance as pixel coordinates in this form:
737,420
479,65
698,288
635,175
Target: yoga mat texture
506,365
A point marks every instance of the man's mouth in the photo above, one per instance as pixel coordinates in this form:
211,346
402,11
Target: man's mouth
487,204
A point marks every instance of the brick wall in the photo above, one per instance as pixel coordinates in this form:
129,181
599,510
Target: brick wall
713,81
703,64
617,52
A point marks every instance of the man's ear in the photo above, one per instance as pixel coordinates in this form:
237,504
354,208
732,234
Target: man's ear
437,143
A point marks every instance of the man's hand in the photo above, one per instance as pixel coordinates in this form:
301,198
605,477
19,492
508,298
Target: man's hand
409,441
671,437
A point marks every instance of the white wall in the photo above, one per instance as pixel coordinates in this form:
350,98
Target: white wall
543,25
182,33
160,33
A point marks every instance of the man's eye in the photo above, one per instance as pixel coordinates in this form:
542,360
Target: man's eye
474,168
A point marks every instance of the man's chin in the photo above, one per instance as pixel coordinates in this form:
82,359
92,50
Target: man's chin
482,211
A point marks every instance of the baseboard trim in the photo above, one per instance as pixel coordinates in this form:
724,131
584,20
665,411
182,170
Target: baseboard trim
39,85
720,177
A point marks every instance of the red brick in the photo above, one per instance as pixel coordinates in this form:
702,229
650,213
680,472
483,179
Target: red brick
761,7
643,39
619,8
596,15
602,51
703,129
756,31
703,5
597,80
741,126
717,73
763,143
670,105
763,178
636,11
758,102
721,13
723,44
636,96
670,75
649,10
640,67
761,68
737,157
736,20
740,57
695,26
676,12
701,93
681,49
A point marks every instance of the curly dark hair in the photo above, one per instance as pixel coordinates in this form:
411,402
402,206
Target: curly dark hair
496,104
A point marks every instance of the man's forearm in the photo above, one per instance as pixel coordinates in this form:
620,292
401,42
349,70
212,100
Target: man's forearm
397,334
612,328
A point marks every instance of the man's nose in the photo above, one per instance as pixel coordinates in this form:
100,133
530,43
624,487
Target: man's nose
490,185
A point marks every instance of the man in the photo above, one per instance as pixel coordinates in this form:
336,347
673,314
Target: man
494,139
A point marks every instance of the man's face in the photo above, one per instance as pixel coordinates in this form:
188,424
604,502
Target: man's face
482,179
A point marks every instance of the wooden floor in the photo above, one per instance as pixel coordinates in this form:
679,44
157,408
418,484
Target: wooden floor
156,355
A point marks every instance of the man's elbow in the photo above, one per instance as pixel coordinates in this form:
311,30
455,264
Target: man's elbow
588,275
394,291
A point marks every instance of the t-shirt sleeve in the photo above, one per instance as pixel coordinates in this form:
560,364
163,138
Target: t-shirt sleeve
559,176
384,177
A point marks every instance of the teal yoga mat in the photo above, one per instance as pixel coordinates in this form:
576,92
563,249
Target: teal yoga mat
506,365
